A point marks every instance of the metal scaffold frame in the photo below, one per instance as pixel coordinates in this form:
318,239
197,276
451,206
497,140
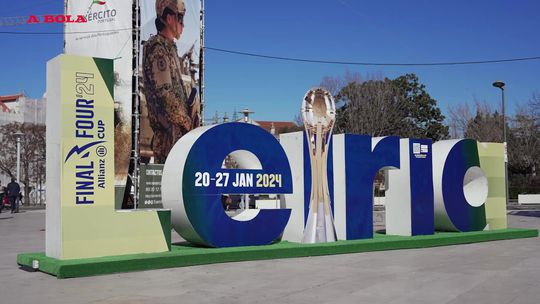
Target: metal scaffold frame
202,66
135,116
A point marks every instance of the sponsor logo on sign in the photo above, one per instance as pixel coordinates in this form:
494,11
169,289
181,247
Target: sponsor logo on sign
420,151
33,19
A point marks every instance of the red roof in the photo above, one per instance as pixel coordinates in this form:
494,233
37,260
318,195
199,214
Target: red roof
278,125
8,98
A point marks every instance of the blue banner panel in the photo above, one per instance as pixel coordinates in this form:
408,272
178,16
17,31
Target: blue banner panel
421,177
462,156
204,181
362,164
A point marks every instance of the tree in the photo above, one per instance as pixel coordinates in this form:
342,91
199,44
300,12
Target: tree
534,106
486,126
32,157
523,138
335,84
423,115
533,127
524,144
399,107
373,107
459,117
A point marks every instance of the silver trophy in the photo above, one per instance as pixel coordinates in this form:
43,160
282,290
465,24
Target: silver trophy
319,115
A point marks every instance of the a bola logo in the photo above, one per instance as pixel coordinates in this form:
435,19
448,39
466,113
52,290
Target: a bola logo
33,19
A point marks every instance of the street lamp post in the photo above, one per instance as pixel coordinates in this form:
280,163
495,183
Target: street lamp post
499,84
246,113
18,135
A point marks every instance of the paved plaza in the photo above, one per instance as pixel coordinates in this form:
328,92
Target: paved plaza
493,272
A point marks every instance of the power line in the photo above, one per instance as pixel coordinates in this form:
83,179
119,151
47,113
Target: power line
61,33
300,59
372,63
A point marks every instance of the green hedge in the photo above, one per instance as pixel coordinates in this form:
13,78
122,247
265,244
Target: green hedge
514,191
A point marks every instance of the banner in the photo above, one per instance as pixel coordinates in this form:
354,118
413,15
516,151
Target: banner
169,63
170,86
81,221
107,33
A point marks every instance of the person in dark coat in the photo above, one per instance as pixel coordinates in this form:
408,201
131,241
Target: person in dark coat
14,190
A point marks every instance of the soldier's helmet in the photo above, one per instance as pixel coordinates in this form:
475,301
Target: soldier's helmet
176,6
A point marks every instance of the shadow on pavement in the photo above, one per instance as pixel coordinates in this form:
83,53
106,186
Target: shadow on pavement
533,213
27,269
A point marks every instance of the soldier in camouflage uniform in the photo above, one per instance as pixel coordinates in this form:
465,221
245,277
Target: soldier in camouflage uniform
169,84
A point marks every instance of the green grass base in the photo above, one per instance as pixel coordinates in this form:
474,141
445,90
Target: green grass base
184,255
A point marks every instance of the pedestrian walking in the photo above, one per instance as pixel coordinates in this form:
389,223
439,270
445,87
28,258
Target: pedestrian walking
14,191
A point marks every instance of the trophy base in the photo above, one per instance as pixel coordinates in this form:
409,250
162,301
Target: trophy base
319,229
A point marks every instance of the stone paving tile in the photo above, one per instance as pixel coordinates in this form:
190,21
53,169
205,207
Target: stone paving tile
493,272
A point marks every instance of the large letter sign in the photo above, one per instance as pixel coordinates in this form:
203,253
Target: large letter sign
460,186
361,157
409,198
81,221
194,180
451,185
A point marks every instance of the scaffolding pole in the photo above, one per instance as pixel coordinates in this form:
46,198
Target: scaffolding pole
202,66
135,124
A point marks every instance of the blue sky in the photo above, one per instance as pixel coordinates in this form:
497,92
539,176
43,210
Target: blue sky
335,30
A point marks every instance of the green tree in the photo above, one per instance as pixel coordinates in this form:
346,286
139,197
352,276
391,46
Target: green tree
423,114
399,107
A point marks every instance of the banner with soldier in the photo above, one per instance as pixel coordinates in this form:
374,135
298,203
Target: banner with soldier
168,37
170,86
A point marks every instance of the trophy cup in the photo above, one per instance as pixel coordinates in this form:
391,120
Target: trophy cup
319,114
